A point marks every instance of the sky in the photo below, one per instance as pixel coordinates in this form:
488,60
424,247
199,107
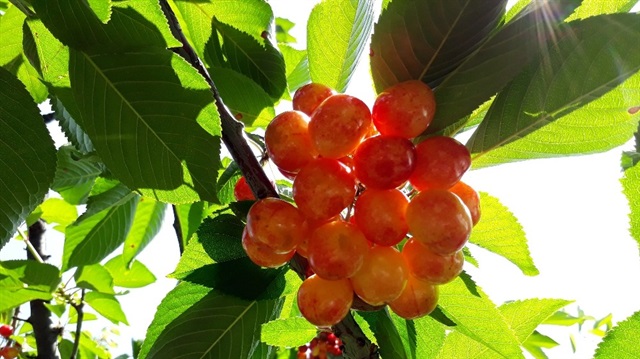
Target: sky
571,209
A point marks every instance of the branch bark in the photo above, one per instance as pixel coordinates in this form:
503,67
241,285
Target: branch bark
80,310
356,343
43,329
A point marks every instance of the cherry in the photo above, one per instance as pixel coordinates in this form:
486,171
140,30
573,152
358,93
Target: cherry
440,163
431,267
336,250
6,330
384,162
338,125
405,109
263,255
439,220
325,302
288,142
323,188
308,97
381,215
382,276
242,191
9,352
276,224
418,299
470,198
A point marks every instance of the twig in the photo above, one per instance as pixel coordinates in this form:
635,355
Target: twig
177,226
79,309
34,253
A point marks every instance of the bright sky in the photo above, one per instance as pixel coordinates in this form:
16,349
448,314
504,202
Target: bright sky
572,210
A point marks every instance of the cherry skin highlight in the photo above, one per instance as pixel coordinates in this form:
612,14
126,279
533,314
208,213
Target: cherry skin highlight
416,300
470,197
336,250
325,302
288,142
381,215
431,267
263,255
440,163
382,277
405,109
276,224
308,97
384,162
439,220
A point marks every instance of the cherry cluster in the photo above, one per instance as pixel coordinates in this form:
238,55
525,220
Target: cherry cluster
325,342
8,351
361,187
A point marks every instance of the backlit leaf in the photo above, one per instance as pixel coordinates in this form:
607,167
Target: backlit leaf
106,305
94,277
622,341
146,225
136,275
290,332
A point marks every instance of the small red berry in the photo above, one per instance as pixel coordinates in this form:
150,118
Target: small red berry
6,330
242,191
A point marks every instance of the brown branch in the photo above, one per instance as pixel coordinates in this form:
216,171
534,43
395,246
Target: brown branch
262,187
43,329
79,307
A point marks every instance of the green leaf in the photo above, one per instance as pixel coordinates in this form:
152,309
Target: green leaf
27,162
146,225
540,340
75,174
477,317
246,100
196,321
133,24
94,277
600,125
598,7
297,66
496,62
389,339
622,341
631,189
426,40
100,230
56,210
102,9
430,338
500,232
136,275
11,23
22,69
565,319
282,30
337,39
106,305
558,85
290,332
25,280
227,181
164,140
71,129
89,347
217,240
189,216
524,316
515,10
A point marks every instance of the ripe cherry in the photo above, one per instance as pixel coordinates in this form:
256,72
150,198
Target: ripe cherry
242,191
338,125
440,163
308,97
470,198
384,162
9,352
382,277
276,224
263,255
431,267
336,250
323,188
288,142
418,299
405,109
381,215
325,302
439,220
6,330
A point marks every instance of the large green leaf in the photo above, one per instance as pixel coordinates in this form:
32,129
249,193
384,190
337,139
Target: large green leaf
430,339
161,134
189,216
600,125
28,75
101,229
496,62
11,23
522,316
428,39
499,232
387,335
106,305
599,7
28,158
102,9
290,332
622,341
135,275
71,129
56,210
195,320
217,240
477,317
133,24
94,277
631,189
25,280
75,171
593,58
297,66
146,225
337,39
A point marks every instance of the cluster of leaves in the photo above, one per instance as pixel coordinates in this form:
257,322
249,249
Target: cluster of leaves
544,79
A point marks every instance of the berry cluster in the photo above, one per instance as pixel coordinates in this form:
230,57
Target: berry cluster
8,351
353,173
318,348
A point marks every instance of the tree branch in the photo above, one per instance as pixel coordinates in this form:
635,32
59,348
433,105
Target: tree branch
43,329
177,227
79,307
261,186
